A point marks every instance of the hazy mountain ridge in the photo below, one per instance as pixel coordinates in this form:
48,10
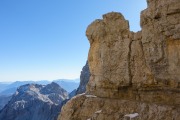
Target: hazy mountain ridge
68,85
8,88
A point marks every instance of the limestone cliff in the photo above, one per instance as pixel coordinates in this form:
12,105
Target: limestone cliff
132,72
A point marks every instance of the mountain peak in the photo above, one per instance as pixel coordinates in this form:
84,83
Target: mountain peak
52,88
35,101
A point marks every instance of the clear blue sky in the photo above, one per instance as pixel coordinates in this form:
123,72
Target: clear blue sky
45,39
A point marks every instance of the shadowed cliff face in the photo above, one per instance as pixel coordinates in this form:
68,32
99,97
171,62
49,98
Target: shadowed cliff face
84,78
132,72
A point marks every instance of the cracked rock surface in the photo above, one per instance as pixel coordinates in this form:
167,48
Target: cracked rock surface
132,72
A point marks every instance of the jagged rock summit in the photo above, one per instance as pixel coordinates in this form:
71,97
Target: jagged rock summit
35,102
132,73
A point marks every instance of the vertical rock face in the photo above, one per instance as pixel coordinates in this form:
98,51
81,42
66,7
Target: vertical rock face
109,54
84,78
161,40
132,72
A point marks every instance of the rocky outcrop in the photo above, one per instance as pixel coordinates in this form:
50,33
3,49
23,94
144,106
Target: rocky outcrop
132,72
87,107
84,78
35,102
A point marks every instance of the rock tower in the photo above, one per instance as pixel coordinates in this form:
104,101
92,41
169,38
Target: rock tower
132,72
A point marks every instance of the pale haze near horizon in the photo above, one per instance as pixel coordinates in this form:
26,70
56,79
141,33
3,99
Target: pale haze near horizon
45,40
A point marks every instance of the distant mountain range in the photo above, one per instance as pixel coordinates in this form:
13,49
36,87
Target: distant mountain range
7,88
68,85
35,102
39,100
